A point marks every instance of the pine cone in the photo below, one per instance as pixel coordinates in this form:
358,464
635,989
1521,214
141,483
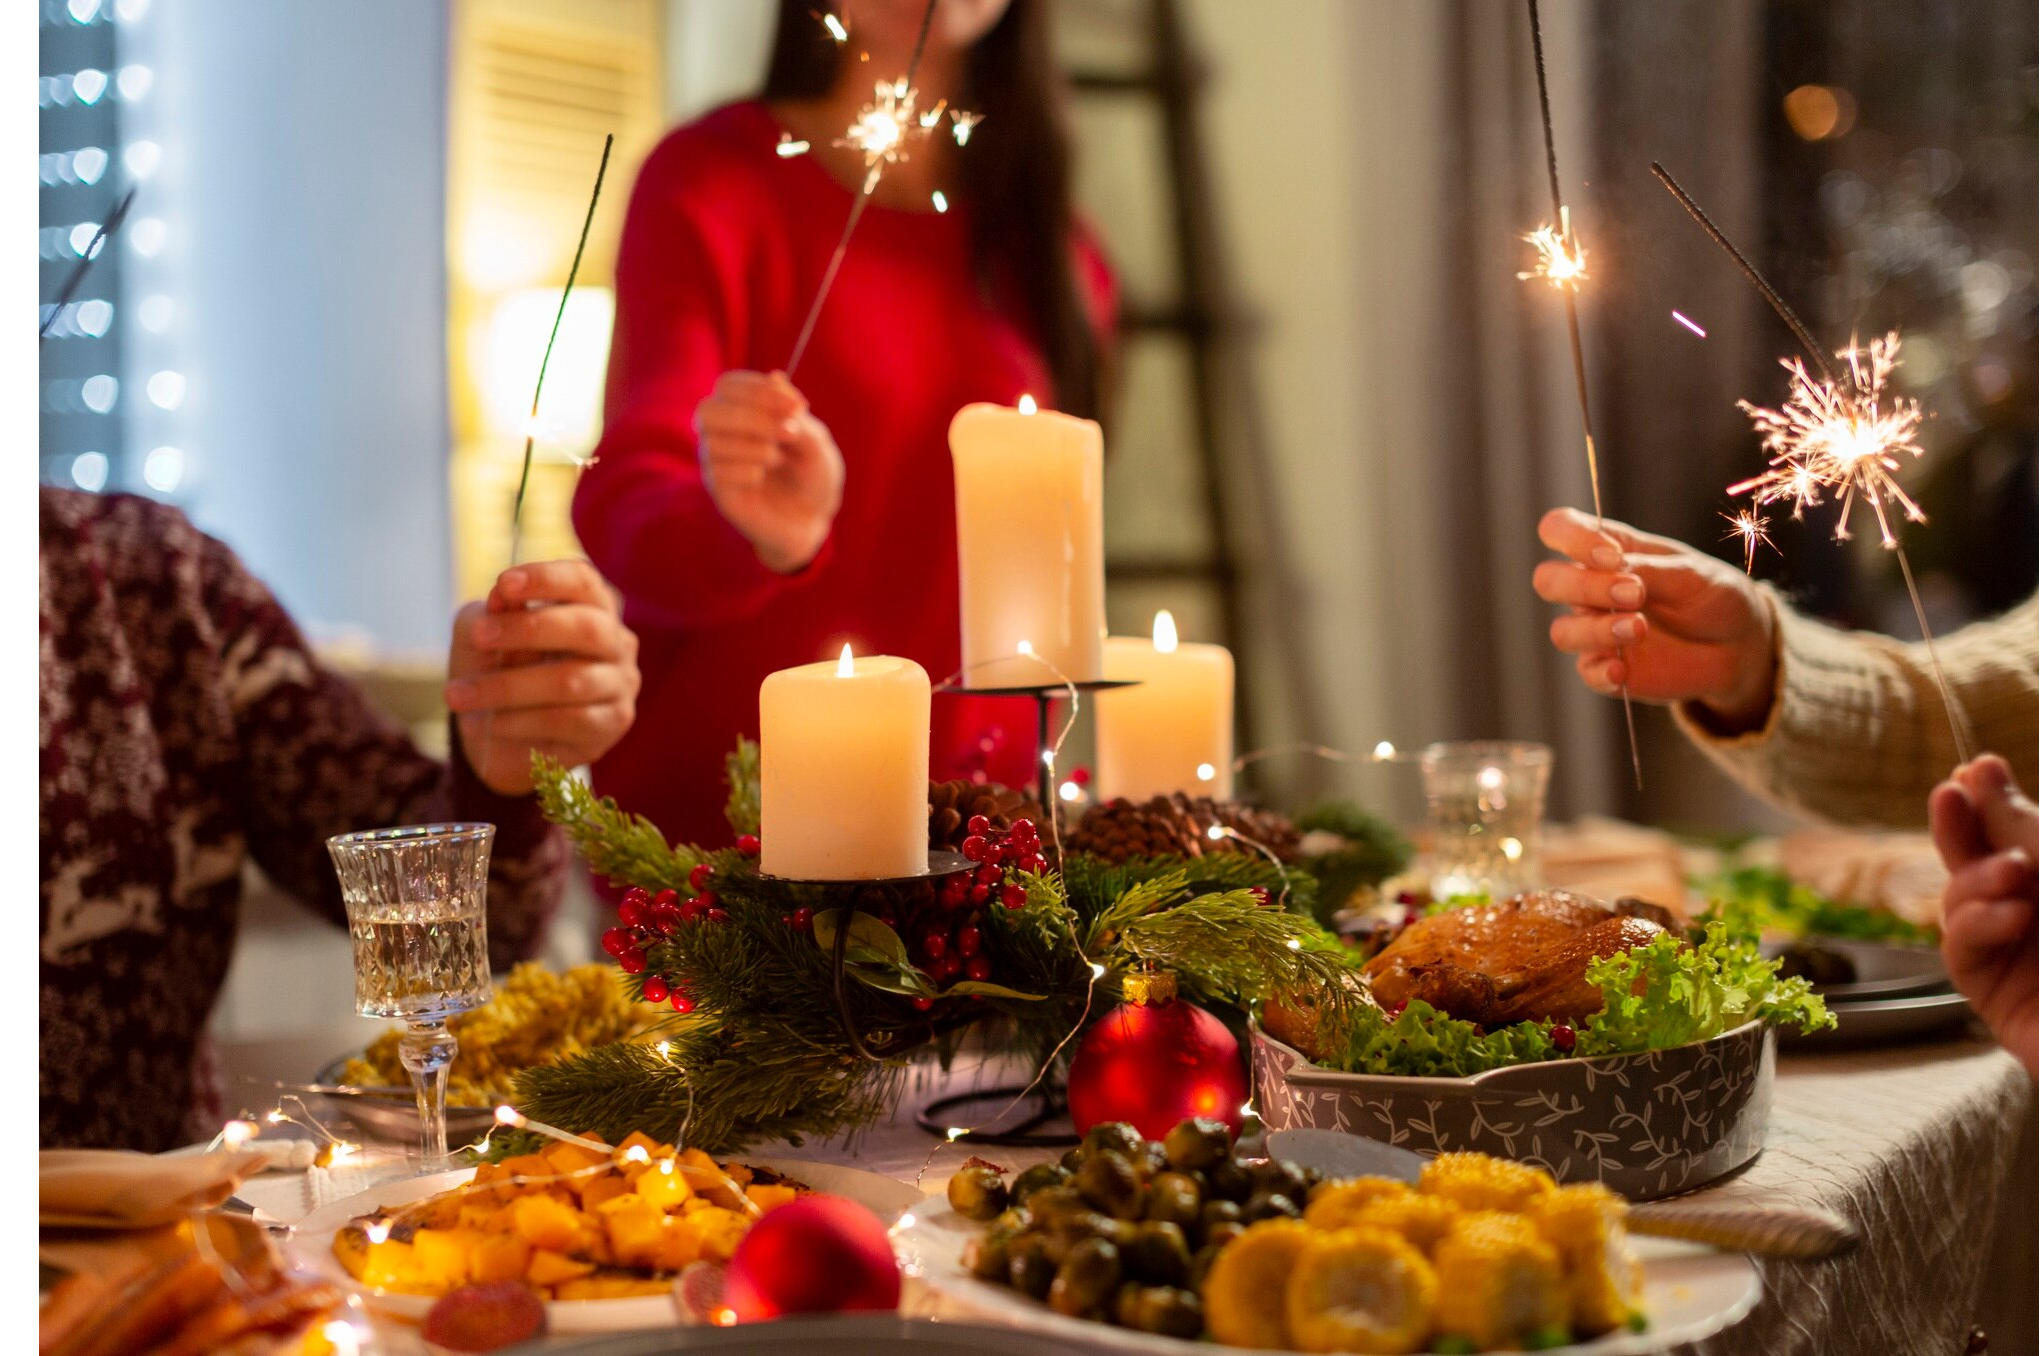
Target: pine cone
952,804
1178,826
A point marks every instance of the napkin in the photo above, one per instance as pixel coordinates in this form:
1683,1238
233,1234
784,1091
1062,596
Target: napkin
118,1189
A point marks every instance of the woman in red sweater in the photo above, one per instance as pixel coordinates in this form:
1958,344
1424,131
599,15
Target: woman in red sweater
753,522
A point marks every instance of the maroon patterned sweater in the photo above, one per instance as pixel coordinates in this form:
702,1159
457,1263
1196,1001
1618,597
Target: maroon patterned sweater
185,727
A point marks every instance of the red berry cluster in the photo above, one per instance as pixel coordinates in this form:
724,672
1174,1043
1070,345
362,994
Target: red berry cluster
644,918
951,944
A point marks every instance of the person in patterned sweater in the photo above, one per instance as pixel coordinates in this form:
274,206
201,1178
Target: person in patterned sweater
186,728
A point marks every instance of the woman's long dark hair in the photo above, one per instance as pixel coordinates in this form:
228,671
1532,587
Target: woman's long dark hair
1016,174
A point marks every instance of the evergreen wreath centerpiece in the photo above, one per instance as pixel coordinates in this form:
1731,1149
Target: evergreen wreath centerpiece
797,1008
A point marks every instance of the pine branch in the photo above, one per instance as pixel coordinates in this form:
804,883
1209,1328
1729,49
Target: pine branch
623,848
740,773
1231,949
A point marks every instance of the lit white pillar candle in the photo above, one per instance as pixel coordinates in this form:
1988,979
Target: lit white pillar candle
1175,731
1030,544
843,770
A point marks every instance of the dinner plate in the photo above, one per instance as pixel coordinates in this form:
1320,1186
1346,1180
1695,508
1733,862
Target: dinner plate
1883,1022
313,1241
1690,1293
837,1334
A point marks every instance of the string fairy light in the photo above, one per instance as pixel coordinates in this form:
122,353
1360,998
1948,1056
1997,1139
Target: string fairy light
885,133
1563,262
1835,434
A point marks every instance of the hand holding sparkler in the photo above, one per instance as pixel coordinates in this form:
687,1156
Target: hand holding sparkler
1674,624
1986,831
544,663
770,465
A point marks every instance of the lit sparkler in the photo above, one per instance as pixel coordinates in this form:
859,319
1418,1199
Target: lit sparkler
1562,260
1840,438
1748,527
1836,435
885,132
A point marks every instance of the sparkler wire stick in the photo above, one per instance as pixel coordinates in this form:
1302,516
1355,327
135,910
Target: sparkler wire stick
93,249
1814,350
573,270
1587,431
1765,289
857,210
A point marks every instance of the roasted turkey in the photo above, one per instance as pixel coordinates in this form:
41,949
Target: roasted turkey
1524,959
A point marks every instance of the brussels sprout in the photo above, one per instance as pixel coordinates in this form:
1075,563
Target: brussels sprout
1127,1304
1149,1161
1219,1235
1157,1255
1168,1311
1174,1197
1049,1204
1269,1205
1107,1180
1228,1180
986,1257
1113,1135
1217,1213
1281,1175
1087,1277
1035,1179
1197,1143
976,1192
1073,1158
1028,1268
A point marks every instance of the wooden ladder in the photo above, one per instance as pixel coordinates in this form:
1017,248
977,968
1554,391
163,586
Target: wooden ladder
1214,332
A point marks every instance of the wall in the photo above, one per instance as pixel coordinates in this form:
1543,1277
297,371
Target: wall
303,188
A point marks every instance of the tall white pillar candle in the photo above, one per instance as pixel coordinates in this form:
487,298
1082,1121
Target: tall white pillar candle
843,770
1030,544
1174,732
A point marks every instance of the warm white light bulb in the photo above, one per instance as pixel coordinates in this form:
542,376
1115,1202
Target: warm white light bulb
1206,772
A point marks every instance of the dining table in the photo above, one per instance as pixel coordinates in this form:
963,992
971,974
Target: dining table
1928,1148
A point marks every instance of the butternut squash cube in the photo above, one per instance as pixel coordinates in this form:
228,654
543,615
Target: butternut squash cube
528,1165
387,1265
572,1158
719,1232
607,1187
664,1185
545,1223
767,1197
441,1257
679,1246
636,1230
499,1257
549,1268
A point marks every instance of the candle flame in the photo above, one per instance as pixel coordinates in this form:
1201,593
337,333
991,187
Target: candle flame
1027,404
845,668
1165,632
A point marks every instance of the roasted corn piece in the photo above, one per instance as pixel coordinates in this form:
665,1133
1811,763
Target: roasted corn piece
1478,1182
1423,1220
1364,1290
1603,1279
1500,1283
1335,1204
1244,1291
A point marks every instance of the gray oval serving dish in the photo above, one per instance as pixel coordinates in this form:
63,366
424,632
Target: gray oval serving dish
1645,1125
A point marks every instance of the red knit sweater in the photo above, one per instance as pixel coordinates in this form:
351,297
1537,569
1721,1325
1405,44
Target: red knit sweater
723,247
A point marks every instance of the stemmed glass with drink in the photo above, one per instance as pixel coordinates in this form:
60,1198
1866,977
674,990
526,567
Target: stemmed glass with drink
414,900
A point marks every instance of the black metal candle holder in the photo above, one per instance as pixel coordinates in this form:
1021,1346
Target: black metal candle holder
1043,694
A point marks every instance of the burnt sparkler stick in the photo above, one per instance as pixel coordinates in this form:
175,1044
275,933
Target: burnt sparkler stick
93,249
524,475
1567,280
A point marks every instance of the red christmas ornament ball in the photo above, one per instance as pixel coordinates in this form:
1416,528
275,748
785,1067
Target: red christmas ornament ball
1152,1065
815,1255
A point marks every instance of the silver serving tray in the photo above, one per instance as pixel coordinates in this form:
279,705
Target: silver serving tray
391,1114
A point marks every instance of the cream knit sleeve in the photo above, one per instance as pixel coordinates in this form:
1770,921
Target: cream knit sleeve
1857,734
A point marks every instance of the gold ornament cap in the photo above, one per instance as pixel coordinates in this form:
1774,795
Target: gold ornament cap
1149,989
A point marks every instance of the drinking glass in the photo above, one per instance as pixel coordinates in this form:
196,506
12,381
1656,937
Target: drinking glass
414,901
1486,804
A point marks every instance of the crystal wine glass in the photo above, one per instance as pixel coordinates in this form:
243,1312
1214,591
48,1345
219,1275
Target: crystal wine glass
1487,808
414,900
